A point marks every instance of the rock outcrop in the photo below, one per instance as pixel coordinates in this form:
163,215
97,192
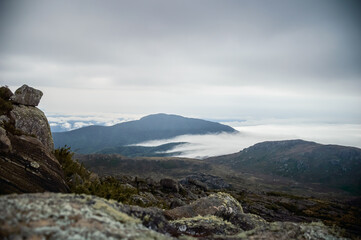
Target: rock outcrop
26,95
59,216
27,163
70,216
218,204
32,121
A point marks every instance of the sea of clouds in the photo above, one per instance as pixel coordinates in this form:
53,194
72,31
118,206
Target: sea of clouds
202,146
249,133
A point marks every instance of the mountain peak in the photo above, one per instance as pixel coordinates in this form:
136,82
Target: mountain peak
151,127
161,116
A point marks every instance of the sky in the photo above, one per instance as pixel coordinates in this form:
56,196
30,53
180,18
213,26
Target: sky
245,60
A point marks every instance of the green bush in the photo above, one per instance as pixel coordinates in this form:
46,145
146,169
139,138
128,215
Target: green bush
69,165
5,106
106,187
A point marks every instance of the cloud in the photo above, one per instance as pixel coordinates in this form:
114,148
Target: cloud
230,59
202,146
60,123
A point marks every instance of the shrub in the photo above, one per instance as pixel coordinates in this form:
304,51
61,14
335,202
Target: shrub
106,187
5,106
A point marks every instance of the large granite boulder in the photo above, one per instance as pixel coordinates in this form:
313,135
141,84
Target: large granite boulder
26,95
205,226
28,166
218,204
32,121
68,216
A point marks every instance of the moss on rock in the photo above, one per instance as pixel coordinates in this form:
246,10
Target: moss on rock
67,216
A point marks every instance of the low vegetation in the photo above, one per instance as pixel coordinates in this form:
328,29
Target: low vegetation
80,180
271,205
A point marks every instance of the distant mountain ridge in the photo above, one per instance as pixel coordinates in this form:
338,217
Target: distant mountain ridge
152,127
308,162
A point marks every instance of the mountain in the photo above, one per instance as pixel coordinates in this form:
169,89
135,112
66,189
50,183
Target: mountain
307,162
158,126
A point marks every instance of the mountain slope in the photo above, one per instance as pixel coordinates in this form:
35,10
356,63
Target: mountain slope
158,126
308,162
142,151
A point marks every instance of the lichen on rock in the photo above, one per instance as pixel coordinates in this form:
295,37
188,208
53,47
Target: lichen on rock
66,216
289,230
204,226
26,95
218,204
26,145
32,121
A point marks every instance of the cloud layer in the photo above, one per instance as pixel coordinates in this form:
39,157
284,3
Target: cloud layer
202,146
211,59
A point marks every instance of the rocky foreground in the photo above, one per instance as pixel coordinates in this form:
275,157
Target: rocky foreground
70,216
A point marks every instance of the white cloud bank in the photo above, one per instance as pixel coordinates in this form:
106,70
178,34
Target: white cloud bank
202,146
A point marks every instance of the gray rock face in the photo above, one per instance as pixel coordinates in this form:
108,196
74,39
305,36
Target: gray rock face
26,159
27,96
70,216
32,121
28,166
218,204
61,216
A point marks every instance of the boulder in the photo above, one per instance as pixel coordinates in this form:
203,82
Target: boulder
246,221
218,204
28,166
151,217
204,226
68,216
32,121
290,230
26,95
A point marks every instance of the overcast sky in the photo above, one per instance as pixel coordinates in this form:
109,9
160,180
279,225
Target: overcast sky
279,59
